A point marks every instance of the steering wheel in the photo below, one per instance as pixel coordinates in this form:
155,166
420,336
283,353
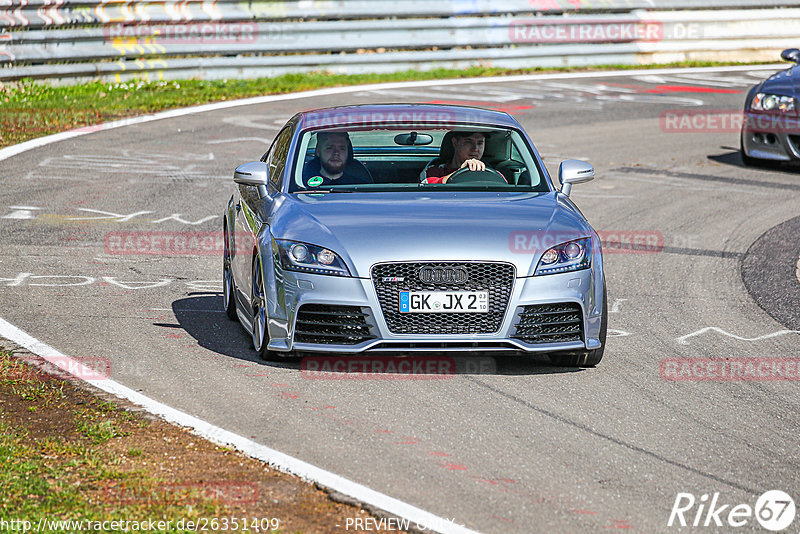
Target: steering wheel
466,176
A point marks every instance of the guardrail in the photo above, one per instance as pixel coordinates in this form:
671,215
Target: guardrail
72,40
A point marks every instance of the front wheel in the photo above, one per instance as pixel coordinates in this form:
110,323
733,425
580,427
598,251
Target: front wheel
260,324
228,287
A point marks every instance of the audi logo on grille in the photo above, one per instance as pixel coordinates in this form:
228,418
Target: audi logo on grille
438,275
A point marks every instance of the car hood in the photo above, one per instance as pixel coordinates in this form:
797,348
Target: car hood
785,82
370,228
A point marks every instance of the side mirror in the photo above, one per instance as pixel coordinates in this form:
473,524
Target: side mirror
791,54
574,171
254,173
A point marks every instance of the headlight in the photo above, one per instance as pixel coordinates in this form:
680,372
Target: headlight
306,258
571,256
768,102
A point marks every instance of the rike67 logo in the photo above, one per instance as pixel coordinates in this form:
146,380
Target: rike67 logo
774,510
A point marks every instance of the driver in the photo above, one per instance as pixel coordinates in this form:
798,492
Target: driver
467,153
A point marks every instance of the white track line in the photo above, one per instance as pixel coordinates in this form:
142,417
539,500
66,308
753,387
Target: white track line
42,141
684,340
280,461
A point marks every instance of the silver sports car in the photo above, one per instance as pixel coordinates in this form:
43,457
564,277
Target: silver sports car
412,228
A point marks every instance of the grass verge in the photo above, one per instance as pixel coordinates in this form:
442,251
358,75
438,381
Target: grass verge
29,110
69,456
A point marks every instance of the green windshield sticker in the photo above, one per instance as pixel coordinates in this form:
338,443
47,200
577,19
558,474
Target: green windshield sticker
314,181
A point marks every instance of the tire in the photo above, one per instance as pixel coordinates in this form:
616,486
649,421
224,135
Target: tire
260,319
588,358
228,285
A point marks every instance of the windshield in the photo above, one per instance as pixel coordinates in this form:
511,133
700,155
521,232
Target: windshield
469,158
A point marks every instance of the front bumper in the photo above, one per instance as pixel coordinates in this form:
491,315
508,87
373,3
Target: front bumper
771,137
578,288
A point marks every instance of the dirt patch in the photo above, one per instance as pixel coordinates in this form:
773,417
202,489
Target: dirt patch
152,465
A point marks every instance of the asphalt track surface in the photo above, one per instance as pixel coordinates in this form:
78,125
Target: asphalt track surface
513,445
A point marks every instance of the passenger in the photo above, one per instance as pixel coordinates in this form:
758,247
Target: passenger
333,163
467,151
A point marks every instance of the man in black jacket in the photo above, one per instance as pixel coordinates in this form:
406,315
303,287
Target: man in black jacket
333,163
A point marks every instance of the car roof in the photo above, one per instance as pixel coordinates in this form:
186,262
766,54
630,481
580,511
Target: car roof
377,115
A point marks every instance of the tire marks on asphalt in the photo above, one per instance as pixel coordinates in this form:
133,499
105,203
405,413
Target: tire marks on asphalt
706,178
630,446
446,461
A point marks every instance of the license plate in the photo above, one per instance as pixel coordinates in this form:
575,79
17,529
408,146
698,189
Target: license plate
444,302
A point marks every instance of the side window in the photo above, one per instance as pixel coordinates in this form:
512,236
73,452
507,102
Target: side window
276,160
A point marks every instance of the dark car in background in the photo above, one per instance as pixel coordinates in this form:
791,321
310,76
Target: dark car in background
770,130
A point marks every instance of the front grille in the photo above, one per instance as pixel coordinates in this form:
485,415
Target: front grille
496,278
550,323
331,325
